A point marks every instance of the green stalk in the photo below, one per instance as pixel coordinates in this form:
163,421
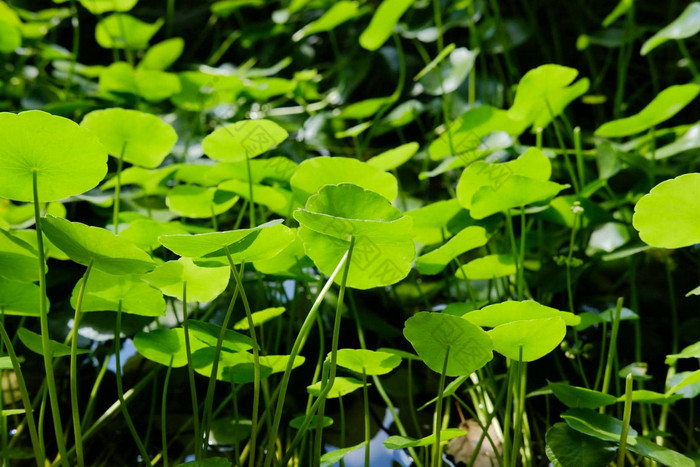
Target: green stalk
208,400
256,359
93,393
519,410
117,190
437,452
625,421
365,400
75,408
120,389
37,446
611,350
163,413
333,357
508,416
190,373
169,15
296,348
44,323
579,157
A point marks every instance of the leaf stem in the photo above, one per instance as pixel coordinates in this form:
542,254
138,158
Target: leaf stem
118,189
437,452
190,373
625,421
611,350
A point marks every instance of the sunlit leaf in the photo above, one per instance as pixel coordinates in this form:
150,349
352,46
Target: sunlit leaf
260,317
488,267
383,22
686,25
204,284
199,202
436,260
536,338
603,427
128,293
337,14
510,311
162,55
342,386
393,158
19,298
403,442
123,31
370,362
32,341
576,397
244,139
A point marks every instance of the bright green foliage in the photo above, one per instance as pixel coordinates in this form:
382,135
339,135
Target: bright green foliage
507,312
488,267
536,338
85,244
683,27
369,362
430,223
342,386
243,140
313,173
19,298
152,85
260,317
431,334
209,334
276,199
436,260
32,341
162,55
403,442
160,345
603,427
123,31
199,202
144,233
18,259
566,447
383,22
35,142
204,284
97,7
668,216
449,77
337,14
333,457
124,292
393,158
383,248
665,105
692,351
139,138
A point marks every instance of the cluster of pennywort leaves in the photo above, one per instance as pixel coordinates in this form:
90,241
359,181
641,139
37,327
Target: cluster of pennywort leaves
234,217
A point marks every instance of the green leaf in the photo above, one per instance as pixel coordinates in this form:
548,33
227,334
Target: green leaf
108,292
154,86
97,7
37,142
369,361
566,447
225,8
151,181
32,341
689,140
337,14
243,140
333,457
536,337
208,333
665,105
691,378
142,138
575,397
10,37
160,345
276,199
19,298
272,168
667,217
686,25
510,311
383,248
516,191
544,92
468,239
430,223
123,31
288,262
162,55
18,259
661,454
239,365
260,317
692,351
393,158
449,76
199,202
487,267
204,284
342,386
650,397
314,173
144,233
85,244
200,91
296,422
364,109
382,24
603,427
403,442
213,243
431,334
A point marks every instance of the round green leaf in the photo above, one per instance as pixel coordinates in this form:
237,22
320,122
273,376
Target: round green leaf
536,337
669,216
383,248
393,158
199,202
436,260
163,54
67,159
97,7
576,397
487,267
313,173
19,298
203,284
566,447
123,31
603,427
260,317
342,386
18,259
33,342
160,345
432,333
369,361
153,85
107,251
243,140
143,138
383,22
108,292
144,233
510,311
